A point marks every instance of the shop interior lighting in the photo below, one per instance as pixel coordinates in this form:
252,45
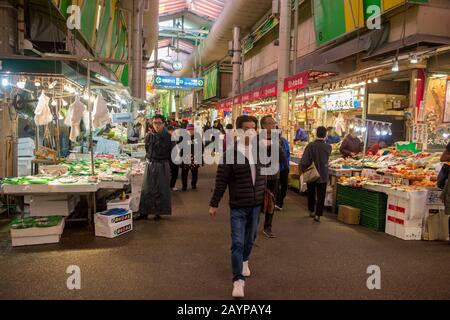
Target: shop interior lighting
414,59
377,130
389,131
446,135
363,129
53,84
369,81
395,67
64,103
384,131
37,83
375,80
5,82
21,84
439,75
54,103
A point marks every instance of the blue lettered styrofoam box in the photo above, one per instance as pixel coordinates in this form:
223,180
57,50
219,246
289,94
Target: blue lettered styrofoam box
113,217
113,231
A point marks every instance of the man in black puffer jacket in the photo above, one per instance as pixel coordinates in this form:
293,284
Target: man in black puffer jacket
246,188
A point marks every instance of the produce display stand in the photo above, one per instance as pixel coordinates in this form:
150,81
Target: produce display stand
335,174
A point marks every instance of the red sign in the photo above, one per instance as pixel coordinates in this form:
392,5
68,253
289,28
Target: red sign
270,90
298,81
237,100
222,104
246,97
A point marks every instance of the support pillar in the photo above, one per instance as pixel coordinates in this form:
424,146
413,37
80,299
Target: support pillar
284,55
236,87
137,48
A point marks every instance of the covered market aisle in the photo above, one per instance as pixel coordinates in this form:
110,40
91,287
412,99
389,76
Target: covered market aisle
186,256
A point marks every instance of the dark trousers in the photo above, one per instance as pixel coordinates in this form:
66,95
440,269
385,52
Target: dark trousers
321,189
272,185
282,188
174,168
184,176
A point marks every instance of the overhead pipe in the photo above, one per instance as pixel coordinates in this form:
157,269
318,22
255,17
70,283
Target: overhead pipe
240,13
236,85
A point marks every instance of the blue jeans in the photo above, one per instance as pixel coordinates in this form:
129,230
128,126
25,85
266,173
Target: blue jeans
244,225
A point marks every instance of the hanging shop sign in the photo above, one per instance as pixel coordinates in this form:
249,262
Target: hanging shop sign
335,18
169,82
211,77
237,100
341,101
225,104
268,91
122,117
298,81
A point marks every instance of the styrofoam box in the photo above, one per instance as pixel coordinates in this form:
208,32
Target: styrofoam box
53,205
34,236
117,203
113,220
25,151
404,229
406,233
407,208
115,231
24,166
26,142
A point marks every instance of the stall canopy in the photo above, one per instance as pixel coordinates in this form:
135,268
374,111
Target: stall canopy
265,92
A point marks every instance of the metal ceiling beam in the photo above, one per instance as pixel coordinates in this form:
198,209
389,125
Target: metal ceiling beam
171,35
162,28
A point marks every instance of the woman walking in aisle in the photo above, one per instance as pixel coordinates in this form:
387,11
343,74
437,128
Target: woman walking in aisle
317,153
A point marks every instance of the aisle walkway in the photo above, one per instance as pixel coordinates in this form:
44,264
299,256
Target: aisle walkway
187,257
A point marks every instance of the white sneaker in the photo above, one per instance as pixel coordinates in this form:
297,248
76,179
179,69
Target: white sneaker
175,189
278,208
238,289
246,269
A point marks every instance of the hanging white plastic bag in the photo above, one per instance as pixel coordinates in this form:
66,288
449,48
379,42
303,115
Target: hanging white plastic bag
100,113
43,114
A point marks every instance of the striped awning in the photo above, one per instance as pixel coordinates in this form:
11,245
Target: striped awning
209,9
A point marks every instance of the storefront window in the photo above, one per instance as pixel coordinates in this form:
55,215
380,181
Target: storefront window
387,104
436,106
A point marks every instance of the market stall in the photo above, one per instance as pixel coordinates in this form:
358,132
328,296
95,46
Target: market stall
395,190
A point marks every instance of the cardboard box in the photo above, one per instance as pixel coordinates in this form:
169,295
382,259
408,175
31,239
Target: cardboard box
349,215
114,231
101,218
34,236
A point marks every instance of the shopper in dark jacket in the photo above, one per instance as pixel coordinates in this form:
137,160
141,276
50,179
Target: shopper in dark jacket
268,123
156,195
246,187
284,174
317,152
351,145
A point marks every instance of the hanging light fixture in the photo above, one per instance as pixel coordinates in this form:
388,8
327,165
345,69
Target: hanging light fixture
389,130
54,103
413,58
21,84
377,130
395,67
5,82
37,83
375,80
384,131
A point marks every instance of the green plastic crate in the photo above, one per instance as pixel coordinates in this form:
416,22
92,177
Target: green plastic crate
373,223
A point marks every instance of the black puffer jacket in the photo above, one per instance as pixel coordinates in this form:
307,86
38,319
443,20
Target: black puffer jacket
238,178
